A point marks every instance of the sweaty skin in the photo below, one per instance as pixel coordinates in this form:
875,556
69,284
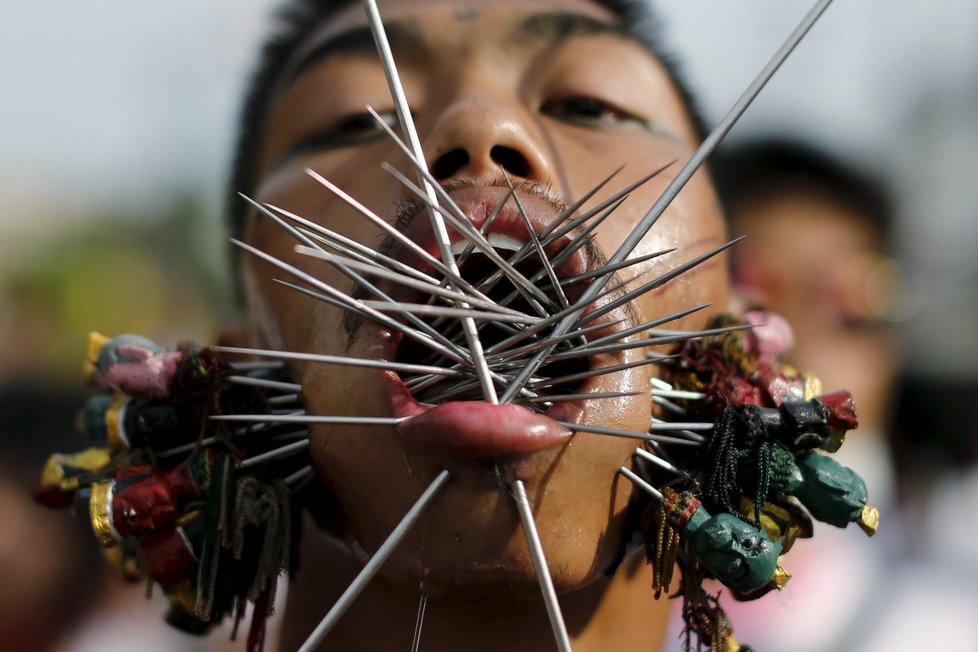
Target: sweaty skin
553,102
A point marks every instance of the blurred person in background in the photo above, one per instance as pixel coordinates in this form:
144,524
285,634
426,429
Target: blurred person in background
818,231
818,253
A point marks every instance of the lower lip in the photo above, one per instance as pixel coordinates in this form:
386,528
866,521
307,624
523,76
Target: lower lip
472,428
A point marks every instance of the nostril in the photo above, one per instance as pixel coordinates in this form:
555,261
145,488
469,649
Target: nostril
511,160
450,163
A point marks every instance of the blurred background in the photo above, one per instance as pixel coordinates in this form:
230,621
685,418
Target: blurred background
116,126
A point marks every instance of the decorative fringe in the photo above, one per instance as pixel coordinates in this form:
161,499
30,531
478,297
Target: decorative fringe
664,556
163,487
704,617
216,536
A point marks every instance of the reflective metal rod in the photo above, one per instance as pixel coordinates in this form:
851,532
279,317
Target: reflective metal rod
540,564
374,564
677,184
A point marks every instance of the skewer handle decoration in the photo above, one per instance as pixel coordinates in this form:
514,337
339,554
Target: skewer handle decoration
121,422
834,493
161,486
65,473
172,556
140,499
131,364
737,553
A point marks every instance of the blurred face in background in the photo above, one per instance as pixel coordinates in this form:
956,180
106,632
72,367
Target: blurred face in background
819,264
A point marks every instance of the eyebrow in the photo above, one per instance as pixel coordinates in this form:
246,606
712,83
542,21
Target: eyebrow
544,30
403,35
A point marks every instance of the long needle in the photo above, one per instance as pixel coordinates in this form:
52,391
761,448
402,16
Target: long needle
535,242
311,418
571,280
677,184
425,309
342,360
334,239
573,208
462,224
616,198
402,279
585,396
657,282
265,383
372,566
642,484
590,373
658,461
591,346
649,341
344,301
616,432
649,325
422,607
274,454
437,223
311,245
540,564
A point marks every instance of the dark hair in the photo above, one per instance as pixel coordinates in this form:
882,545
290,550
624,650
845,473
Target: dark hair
778,166
298,19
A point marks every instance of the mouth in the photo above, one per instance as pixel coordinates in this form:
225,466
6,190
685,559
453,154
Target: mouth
448,414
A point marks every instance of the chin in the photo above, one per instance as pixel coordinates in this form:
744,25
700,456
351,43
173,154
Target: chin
458,556
470,544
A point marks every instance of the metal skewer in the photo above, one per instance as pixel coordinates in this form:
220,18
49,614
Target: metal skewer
372,566
540,564
438,225
677,184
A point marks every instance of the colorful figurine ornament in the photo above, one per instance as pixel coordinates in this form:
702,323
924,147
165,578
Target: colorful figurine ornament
207,513
165,488
743,496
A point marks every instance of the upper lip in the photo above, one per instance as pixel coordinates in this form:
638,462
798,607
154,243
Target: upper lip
516,430
478,203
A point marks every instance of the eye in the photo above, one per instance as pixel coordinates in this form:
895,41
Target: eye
350,130
360,127
590,112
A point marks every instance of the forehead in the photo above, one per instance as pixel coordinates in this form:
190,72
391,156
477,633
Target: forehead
484,18
352,15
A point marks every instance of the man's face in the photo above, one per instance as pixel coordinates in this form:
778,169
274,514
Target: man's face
500,85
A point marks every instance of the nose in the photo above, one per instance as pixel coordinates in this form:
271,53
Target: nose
476,138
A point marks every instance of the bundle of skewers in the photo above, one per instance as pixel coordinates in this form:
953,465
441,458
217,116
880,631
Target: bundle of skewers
196,462
201,509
